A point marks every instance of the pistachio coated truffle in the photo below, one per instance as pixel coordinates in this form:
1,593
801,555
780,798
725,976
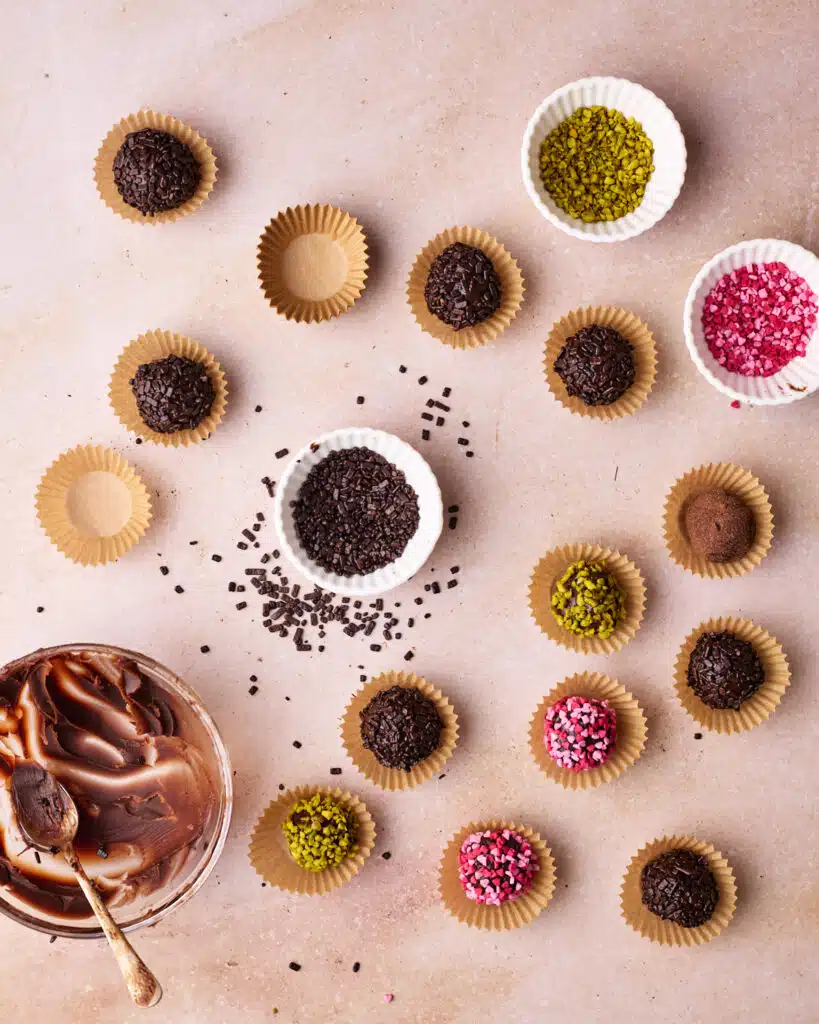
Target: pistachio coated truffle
719,525
588,601
320,832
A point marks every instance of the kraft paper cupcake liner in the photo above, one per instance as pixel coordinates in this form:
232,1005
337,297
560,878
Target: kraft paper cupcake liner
157,345
365,761
92,505
735,480
270,854
549,570
104,165
312,262
513,914
759,705
667,933
645,359
629,742
507,269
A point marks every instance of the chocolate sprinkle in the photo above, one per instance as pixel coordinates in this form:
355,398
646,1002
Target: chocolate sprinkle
172,394
596,365
463,288
724,671
678,886
401,726
155,171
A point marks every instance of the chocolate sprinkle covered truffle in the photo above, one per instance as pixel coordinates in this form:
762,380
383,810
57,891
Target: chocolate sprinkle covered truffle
724,671
596,365
678,886
463,288
401,726
173,393
155,171
719,525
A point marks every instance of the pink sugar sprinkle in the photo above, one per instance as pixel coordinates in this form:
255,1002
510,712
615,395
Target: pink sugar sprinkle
736,404
580,732
495,867
758,318
388,998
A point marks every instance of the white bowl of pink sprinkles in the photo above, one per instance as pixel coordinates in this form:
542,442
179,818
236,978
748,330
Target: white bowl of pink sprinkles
750,322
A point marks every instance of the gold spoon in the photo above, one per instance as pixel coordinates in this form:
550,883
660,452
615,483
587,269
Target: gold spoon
48,820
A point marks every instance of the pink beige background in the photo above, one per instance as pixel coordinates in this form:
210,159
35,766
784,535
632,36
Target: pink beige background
410,116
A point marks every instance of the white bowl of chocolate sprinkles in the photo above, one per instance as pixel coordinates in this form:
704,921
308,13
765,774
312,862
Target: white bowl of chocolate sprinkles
289,513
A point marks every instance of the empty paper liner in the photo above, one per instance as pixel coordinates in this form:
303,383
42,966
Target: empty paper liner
668,933
270,854
759,705
507,269
549,570
157,345
367,763
104,165
312,262
718,476
513,913
629,741
643,350
92,505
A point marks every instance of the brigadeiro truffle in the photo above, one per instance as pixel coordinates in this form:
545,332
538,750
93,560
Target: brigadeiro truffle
596,365
401,727
678,886
155,171
172,394
497,866
587,600
719,525
724,671
463,288
580,732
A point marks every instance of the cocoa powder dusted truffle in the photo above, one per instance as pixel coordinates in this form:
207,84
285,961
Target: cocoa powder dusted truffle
463,288
678,886
596,365
173,393
155,171
401,727
719,525
724,671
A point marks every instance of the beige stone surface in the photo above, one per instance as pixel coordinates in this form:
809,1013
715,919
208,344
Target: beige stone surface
410,116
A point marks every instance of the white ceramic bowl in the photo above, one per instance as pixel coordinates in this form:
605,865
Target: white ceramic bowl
796,380
419,476
634,101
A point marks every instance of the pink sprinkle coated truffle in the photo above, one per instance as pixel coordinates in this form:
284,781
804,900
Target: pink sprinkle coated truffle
496,867
580,732
756,319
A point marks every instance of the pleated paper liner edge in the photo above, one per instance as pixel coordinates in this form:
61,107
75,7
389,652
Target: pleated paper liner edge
736,480
552,566
270,855
667,933
298,221
394,779
759,705
51,504
512,288
513,914
630,738
104,165
634,330
146,348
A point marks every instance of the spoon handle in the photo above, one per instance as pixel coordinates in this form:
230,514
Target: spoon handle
144,988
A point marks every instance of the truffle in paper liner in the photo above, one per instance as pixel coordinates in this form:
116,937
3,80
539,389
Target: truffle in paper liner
270,854
507,269
643,349
629,741
549,570
760,704
312,262
367,763
104,165
92,505
668,933
513,913
720,476
157,345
